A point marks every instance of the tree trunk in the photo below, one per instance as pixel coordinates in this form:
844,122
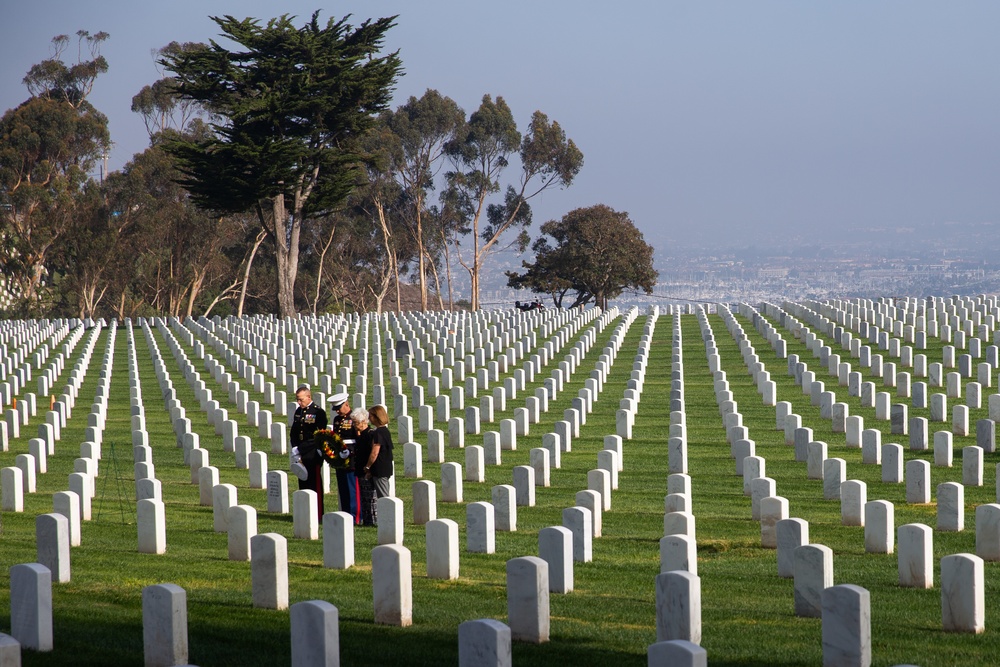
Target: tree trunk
399,291
468,269
480,254
84,301
475,282
319,272
177,298
157,287
476,258
382,290
196,284
246,274
286,255
220,296
420,261
474,271
35,283
91,299
447,269
391,256
387,281
437,285
286,271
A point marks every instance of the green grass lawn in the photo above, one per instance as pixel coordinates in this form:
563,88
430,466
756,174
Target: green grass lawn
747,610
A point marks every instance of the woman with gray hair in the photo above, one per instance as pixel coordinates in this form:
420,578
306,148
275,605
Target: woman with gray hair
362,450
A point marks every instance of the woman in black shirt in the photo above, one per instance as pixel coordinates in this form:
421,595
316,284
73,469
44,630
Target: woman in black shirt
378,466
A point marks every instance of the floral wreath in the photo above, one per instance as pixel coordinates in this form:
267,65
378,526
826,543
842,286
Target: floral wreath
331,446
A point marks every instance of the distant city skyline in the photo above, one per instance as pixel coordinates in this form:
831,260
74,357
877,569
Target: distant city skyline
707,121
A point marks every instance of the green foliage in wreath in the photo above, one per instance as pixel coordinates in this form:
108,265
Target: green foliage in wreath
331,446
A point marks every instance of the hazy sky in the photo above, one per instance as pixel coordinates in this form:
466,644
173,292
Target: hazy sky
725,120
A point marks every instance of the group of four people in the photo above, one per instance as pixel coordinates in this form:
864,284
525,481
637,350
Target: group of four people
367,442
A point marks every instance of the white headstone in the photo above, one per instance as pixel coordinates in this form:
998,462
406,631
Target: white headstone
52,545
918,481
31,606
578,520
269,571
813,574
164,625
916,556
442,549
555,547
847,633
678,607
451,482
528,599
392,583
424,502
242,528
315,630
791,534
963,594
480,536
152,526
338,540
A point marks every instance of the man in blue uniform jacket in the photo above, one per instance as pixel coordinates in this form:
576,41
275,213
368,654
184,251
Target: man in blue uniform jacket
307,462
347,482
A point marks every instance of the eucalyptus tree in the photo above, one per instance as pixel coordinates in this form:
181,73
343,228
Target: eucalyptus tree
179,251
420,131
481,154
361,276
159,105
289,106
382,201
80,263
48,146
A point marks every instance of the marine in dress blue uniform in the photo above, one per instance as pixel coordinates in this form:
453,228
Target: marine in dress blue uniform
308,419
347,482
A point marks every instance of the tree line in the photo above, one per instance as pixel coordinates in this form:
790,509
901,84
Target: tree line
278,179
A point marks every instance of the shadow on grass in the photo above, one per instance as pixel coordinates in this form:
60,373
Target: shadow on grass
230,638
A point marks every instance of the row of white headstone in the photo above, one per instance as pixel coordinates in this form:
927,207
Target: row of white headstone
389,534
678,586
17,416
314,629
22,478
141,450
856,436
844,610
56,532
914,560
53,530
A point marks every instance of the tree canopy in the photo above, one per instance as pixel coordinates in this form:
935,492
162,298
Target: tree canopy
48,145
291,106
275,140
418,133
54,79
159,103
481,153
596,252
